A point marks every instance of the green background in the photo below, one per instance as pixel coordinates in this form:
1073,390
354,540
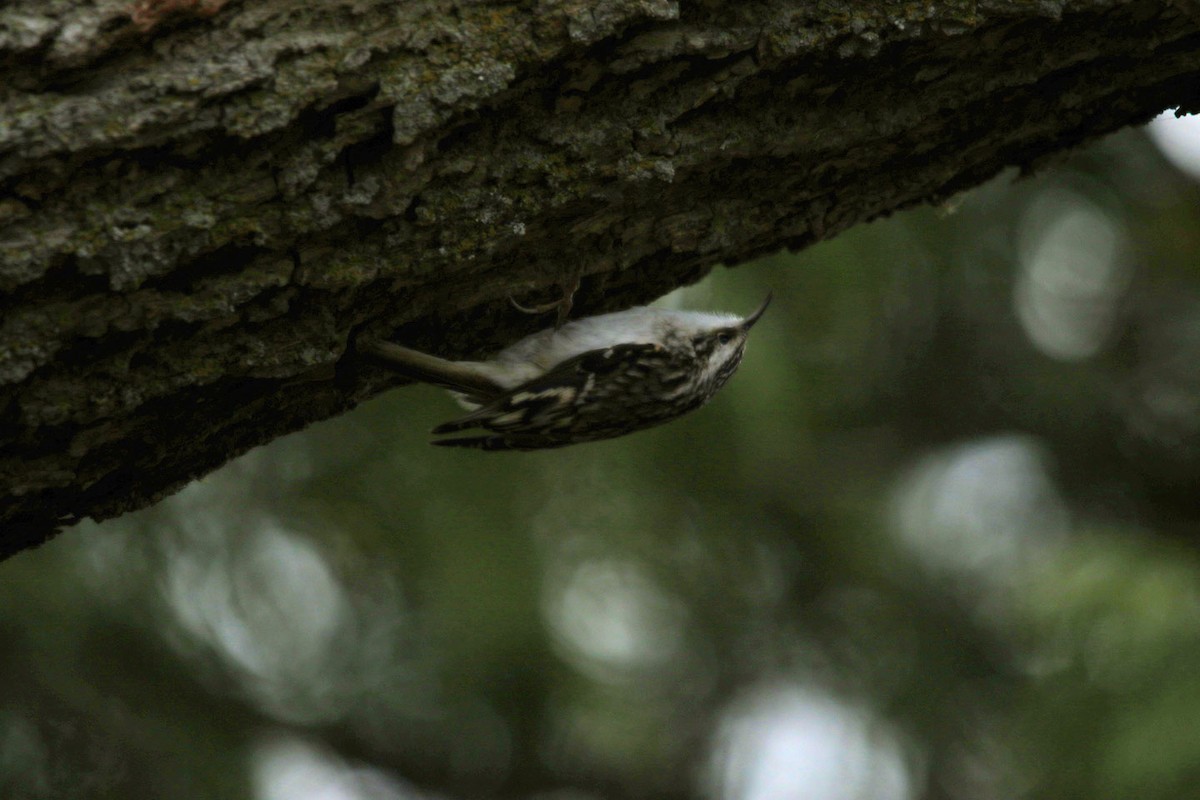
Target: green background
936,539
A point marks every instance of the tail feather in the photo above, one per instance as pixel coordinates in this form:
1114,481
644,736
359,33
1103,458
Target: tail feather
452,375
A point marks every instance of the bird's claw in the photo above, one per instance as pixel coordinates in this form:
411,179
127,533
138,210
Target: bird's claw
562,305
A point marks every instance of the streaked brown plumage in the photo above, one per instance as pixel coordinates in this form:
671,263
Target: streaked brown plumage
594,378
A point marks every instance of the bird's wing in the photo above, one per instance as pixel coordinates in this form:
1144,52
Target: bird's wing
546,411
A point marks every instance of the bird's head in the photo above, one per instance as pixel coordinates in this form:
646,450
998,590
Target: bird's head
721,340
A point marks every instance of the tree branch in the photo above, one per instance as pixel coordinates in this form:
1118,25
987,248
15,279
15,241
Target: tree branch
203,203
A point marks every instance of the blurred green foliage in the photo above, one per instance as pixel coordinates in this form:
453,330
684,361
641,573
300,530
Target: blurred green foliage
937,539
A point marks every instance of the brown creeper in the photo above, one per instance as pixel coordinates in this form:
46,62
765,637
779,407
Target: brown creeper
593,378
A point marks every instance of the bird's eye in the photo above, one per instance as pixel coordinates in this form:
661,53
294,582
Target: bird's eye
724,337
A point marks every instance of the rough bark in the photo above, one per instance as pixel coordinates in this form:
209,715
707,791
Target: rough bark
203,203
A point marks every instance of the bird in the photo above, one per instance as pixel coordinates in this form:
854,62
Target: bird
593,378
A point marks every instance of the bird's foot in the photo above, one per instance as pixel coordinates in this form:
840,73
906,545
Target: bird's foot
562,305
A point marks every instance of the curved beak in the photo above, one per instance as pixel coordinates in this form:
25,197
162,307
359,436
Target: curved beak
749,321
